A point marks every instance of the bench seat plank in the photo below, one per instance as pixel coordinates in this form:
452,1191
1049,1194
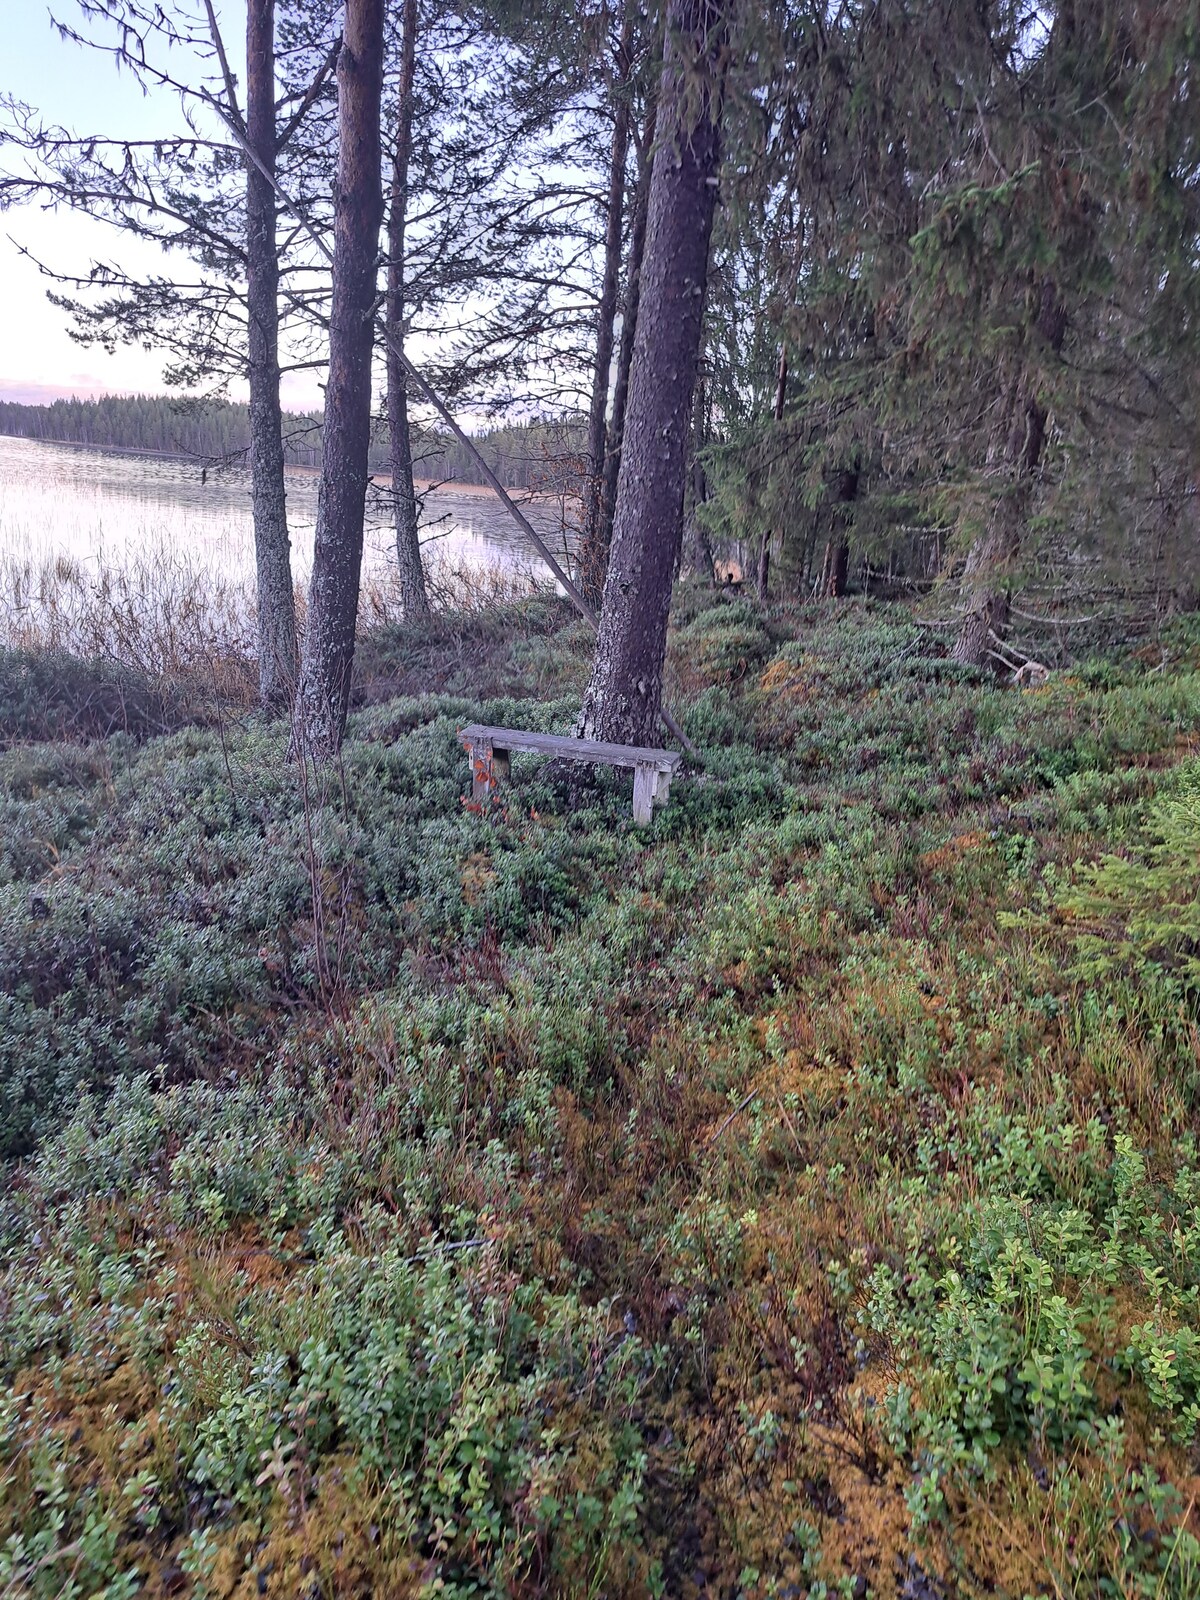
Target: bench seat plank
489,750
553,744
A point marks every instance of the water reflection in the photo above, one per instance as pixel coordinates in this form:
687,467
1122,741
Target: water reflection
100,506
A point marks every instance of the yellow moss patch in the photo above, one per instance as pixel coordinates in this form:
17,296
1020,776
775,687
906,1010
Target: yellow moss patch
477,876
949,854
784,677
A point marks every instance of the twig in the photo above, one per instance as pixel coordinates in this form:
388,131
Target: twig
788,1123
327,66
754,1094
1055,622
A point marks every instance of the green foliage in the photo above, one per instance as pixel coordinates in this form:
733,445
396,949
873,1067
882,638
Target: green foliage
63,1550
1010,1300
1139,910
473,1405
722,644
58,697
479,1199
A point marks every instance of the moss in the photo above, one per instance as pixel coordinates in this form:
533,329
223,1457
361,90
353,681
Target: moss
799,1193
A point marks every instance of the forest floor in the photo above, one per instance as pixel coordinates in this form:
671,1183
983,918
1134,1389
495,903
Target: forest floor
798,1198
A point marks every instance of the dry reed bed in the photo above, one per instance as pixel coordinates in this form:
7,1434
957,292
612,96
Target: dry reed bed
173,620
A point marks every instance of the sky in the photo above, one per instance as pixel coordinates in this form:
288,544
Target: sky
83,91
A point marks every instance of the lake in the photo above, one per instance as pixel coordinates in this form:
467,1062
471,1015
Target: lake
103,510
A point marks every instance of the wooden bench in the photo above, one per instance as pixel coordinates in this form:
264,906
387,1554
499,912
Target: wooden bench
489,750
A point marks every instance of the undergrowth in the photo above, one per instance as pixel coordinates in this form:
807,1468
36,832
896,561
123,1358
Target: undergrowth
799,1197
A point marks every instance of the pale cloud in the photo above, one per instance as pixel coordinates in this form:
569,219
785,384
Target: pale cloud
83,90
36,348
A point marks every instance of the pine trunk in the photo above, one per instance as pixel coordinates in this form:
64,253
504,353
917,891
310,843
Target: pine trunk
408,543
992,557
324,695
624,696
272,548
836,568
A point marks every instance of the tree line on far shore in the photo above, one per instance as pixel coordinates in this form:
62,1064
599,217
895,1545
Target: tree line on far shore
530,455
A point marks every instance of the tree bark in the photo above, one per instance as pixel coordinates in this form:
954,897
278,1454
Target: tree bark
1018,453
591,550
697,552
408,544
990,560
272,548
836,566
324,695
624,696
629,320
763,576
835,569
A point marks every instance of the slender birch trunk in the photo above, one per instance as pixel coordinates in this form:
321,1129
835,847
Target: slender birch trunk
408,544
624,697
324,694
697,556
592,550
629,321
272,547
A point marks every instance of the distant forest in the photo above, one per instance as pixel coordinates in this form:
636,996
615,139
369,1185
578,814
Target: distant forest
527,456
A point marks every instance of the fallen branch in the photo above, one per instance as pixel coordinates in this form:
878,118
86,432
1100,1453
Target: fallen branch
1025,669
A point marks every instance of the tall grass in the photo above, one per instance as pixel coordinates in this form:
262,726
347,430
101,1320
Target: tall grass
453,585
159,615
173,620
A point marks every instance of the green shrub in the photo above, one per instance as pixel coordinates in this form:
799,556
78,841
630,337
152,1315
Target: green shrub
477,1406
560,1195
1139,910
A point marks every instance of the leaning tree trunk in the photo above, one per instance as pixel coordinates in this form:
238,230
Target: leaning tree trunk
408,543
624,697
272,549
1017,455
629,319
591,550
324,694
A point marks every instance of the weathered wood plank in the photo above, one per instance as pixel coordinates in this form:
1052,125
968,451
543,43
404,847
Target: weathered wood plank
644,783
553,744
479,753
489,750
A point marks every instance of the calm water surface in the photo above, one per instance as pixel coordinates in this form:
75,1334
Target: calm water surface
100,507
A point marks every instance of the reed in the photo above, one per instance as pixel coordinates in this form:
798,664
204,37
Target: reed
453,586
172,620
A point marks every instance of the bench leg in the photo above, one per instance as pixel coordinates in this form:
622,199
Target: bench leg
480,757
644,779
662,788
